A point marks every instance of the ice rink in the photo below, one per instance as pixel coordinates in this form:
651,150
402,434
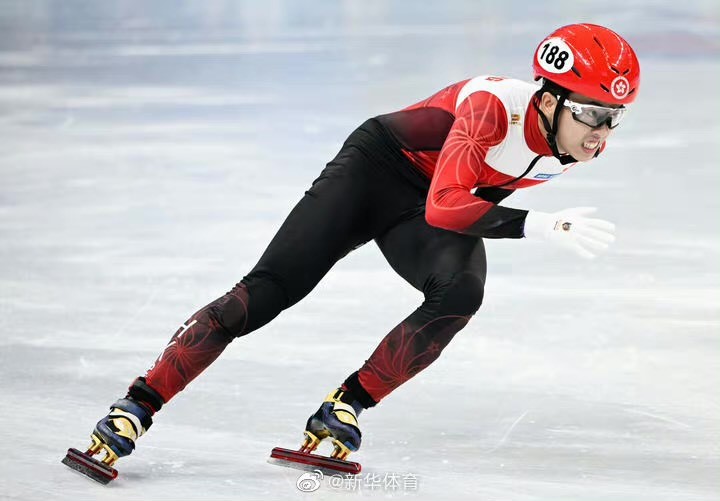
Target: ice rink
149,150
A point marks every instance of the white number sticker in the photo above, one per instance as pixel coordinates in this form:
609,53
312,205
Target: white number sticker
554,56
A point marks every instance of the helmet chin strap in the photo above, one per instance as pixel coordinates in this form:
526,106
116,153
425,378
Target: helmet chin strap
552,129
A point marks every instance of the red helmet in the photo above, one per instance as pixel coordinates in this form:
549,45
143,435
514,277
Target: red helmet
590,60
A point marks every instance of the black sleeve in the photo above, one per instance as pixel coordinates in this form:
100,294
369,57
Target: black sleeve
493,194
498,222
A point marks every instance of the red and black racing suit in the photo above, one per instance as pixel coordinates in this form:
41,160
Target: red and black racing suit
416,183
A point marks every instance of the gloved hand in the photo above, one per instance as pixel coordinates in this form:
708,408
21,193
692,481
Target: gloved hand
572,229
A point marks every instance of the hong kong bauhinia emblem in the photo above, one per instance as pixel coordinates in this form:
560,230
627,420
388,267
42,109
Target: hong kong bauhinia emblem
620,87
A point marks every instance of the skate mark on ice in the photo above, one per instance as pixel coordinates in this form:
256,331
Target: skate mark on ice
507,434
138,312
659,418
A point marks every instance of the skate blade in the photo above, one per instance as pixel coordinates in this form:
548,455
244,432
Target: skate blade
306,460
90,467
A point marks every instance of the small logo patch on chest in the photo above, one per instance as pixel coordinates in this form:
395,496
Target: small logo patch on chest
543,175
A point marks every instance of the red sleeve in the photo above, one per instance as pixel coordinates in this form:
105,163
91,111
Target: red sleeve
480,123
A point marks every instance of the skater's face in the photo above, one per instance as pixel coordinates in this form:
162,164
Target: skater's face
574,137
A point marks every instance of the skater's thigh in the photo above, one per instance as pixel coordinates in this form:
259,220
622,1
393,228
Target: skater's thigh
420,252
326,224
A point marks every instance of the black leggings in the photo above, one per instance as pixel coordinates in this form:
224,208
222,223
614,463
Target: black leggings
368,191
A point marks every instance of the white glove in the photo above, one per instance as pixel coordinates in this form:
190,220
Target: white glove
570,228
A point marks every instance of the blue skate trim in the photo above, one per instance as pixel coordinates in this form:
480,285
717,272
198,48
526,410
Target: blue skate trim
325,420
120,445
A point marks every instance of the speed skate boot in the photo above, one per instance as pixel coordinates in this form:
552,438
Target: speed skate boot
337,419
117,432
114,436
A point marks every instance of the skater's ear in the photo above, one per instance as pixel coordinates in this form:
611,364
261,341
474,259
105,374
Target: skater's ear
548,103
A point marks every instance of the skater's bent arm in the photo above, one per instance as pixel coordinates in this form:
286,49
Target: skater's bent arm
480,123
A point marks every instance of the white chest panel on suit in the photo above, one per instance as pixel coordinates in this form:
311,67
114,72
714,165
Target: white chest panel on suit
513,155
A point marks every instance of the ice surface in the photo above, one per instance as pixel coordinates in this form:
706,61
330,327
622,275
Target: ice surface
148,152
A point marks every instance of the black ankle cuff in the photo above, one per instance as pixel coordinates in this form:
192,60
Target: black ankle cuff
354,390
143,394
